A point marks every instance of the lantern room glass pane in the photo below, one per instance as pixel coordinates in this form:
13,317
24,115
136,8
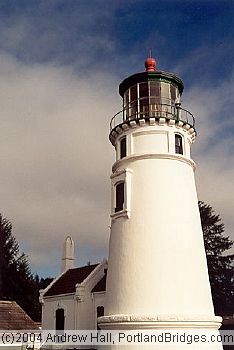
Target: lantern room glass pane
143,90
154,88
126,104
126,98
154,102
173,92
133,101
144,99
165,93
133,93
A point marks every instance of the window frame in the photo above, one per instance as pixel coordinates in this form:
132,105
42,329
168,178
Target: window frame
124,138
116,178
59,321
119,196
179,147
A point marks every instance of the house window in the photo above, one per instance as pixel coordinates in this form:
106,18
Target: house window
178,144
100,313
119,188
123,148
60,320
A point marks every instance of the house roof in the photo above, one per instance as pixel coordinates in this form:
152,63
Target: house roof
67,282
228,322
100,286
12,316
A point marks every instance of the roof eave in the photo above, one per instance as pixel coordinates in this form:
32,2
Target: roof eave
147,76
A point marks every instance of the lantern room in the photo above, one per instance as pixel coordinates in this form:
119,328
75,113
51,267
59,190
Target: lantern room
151,94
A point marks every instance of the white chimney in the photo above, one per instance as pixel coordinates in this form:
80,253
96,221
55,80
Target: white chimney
68,254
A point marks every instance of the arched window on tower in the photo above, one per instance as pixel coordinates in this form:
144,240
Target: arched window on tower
60,320
123,147
119,196
178,144
100,313
121,193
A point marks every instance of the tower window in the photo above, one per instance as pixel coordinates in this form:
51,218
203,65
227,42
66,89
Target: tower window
123,148
119,196
59,320
178,144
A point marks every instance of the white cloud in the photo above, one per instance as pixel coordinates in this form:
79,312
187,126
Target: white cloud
55,155
213,150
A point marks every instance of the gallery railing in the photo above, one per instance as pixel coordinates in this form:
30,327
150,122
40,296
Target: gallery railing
142,109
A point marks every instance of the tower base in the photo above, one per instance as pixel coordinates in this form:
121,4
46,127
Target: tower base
186,329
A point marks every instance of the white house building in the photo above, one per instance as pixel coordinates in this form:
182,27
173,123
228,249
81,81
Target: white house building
76,298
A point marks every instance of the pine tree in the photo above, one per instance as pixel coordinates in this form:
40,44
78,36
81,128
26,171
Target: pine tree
16,280
220,264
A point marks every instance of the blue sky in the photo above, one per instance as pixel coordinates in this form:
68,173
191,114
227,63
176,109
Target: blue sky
60,65
99,33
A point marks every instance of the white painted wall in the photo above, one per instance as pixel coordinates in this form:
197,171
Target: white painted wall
156,257
149,141
86,317
51,304
80,307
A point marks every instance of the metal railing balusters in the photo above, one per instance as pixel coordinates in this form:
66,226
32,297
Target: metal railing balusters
155,110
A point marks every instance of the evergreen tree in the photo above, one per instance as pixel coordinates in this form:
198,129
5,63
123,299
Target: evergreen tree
220,264
39,283
42,283
16,280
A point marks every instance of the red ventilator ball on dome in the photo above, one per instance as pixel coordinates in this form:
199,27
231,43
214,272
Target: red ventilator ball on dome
150,64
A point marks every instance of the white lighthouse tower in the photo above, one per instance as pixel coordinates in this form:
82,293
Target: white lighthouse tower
157,271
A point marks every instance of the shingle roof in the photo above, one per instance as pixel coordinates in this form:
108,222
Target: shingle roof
100,286
228,322
14,318
67,282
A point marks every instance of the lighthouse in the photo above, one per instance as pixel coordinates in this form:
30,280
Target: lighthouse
157,270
